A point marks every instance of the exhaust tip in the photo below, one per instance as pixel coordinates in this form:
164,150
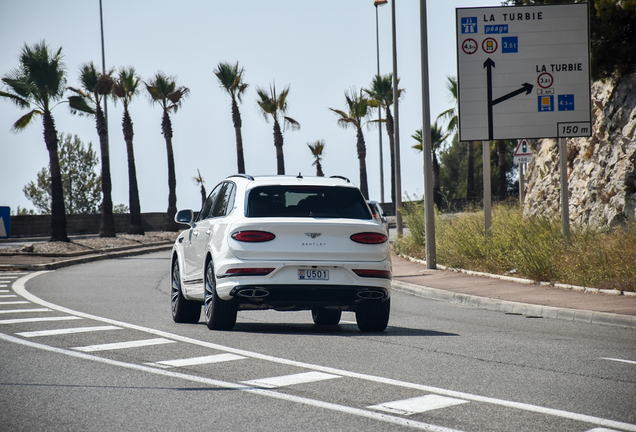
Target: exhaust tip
371,294
253,293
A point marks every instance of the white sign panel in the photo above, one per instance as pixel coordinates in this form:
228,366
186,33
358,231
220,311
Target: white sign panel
523,72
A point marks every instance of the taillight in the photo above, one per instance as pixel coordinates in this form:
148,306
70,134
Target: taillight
248,271
385,274
253,236
369,238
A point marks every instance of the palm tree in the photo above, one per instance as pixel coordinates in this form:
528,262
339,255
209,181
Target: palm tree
437,139
452,128
125,89
163,90
198,180
381,90
275,105
40,81
359,111
87,100
231,78
316,151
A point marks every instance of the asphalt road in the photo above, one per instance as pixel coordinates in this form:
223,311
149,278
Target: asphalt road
438,367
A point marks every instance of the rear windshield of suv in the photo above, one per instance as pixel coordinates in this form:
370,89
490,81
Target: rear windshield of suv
307,201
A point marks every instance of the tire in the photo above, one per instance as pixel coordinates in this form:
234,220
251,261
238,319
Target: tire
183,311
373,317
322,316
219,314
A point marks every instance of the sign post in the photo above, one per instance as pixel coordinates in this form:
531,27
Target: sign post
523,72
5,222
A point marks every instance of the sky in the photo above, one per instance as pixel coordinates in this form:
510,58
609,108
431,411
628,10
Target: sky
320,49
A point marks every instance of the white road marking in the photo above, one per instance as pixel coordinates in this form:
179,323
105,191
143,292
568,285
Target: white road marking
6,311
14,302
124,345
233,386
19,288
8,296
66,331
602,430
418,405
287,380
3,291
32,320
619,360
216,358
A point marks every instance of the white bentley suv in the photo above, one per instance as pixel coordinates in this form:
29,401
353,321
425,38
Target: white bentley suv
285,243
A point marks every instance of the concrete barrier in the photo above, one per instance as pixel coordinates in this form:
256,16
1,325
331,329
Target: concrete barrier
40,225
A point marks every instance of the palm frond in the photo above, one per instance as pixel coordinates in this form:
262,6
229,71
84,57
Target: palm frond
291,123
24,121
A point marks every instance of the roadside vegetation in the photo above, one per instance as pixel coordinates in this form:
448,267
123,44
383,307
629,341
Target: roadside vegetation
527,247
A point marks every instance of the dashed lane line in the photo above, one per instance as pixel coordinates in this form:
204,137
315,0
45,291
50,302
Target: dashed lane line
72,330
619,360
194,361
287,380
418,405
19,288
233,386
10,311
39,319
124,345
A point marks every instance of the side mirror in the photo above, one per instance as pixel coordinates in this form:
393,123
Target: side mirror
185,217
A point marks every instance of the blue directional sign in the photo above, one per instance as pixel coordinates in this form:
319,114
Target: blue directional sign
566,102
469,25
5,222
520,70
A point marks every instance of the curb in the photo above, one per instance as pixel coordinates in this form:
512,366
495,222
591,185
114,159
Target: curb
510,307
527,281
87,258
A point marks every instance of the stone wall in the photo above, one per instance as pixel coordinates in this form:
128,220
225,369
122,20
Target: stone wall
601,169
40,225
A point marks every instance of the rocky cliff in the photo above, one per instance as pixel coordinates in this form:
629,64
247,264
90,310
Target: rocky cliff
601,169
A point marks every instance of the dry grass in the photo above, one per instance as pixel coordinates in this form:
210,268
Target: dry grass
528,247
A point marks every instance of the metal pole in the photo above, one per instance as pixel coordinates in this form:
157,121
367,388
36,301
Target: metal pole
396,133
101,24
429,205
565,205
522,181
377,37
487,188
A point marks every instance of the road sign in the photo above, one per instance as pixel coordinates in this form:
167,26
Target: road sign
5,222
523,72
522,153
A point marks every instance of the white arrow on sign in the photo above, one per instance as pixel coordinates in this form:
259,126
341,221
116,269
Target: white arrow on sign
3,230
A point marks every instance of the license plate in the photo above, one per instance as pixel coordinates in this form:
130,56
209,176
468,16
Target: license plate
313,274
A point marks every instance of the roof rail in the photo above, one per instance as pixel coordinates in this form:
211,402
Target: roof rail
340,177
246,176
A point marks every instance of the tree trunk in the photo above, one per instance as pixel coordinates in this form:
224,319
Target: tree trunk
390,129
135,226
278,142
236,118
362,158
58,213
319,172
166,126
503,184
107,228
470,172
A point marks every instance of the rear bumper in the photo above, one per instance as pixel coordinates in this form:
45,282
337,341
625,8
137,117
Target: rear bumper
304,297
